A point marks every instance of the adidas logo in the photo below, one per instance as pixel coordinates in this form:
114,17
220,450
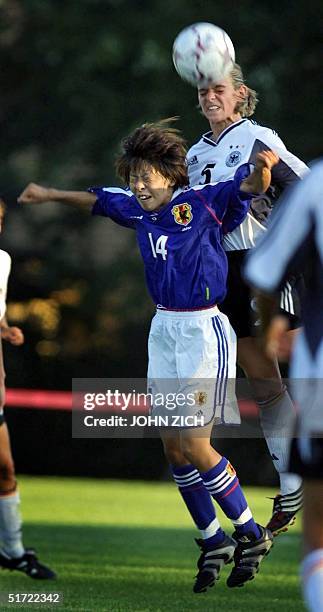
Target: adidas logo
193,161
199,413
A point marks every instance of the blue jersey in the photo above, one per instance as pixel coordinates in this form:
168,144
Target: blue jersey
180,244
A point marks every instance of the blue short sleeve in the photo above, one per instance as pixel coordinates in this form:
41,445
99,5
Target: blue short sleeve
118,204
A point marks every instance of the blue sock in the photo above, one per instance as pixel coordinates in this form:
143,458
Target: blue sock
222,483
199,503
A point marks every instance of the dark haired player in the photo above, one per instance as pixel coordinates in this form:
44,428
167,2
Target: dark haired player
179,232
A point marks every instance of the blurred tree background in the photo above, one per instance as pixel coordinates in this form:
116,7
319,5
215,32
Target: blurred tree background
76,77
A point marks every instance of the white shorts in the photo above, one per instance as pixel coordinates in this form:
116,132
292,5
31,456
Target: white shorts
193,354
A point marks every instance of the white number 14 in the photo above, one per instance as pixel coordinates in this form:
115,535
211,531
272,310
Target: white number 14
160,248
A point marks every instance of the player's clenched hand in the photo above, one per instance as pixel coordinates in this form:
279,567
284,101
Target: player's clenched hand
35,194
278,342
14,335
259,180
266,159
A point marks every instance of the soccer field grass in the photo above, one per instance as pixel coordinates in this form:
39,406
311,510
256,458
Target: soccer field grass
129,547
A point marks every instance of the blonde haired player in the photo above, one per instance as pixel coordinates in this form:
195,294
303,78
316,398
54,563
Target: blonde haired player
235,139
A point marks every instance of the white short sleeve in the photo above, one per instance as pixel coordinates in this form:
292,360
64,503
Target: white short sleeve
5,265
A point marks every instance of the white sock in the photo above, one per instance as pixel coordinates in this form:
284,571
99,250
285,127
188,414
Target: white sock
277,419
211,530
10,525
312,580
289,483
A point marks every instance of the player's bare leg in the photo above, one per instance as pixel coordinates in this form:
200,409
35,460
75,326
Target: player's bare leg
201,473
216,547
276,416
312,566
197,449
7,469
13,555
313,515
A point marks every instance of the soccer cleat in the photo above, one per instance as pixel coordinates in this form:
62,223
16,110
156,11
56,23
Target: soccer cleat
211,562
248,555
28,564
285,508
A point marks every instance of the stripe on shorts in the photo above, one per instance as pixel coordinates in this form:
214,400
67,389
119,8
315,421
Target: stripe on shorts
222,374
286,299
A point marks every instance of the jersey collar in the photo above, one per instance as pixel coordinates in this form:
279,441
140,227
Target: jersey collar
176,193
207,137
158,213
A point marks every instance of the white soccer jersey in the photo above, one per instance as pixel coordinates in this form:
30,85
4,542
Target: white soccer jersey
295,240
211,161
5,266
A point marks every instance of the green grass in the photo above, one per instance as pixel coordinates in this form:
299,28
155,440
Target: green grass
129,547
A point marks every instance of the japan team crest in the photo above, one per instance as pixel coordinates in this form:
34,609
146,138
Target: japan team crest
182,213
200,397
230,469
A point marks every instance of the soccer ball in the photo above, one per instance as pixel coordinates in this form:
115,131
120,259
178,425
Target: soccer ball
203,54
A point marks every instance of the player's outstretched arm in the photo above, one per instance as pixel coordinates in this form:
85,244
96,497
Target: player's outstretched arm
36,194
259,180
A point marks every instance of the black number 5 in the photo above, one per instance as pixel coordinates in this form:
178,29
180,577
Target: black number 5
207,173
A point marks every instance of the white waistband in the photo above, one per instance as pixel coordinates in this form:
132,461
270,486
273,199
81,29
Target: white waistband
188,314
